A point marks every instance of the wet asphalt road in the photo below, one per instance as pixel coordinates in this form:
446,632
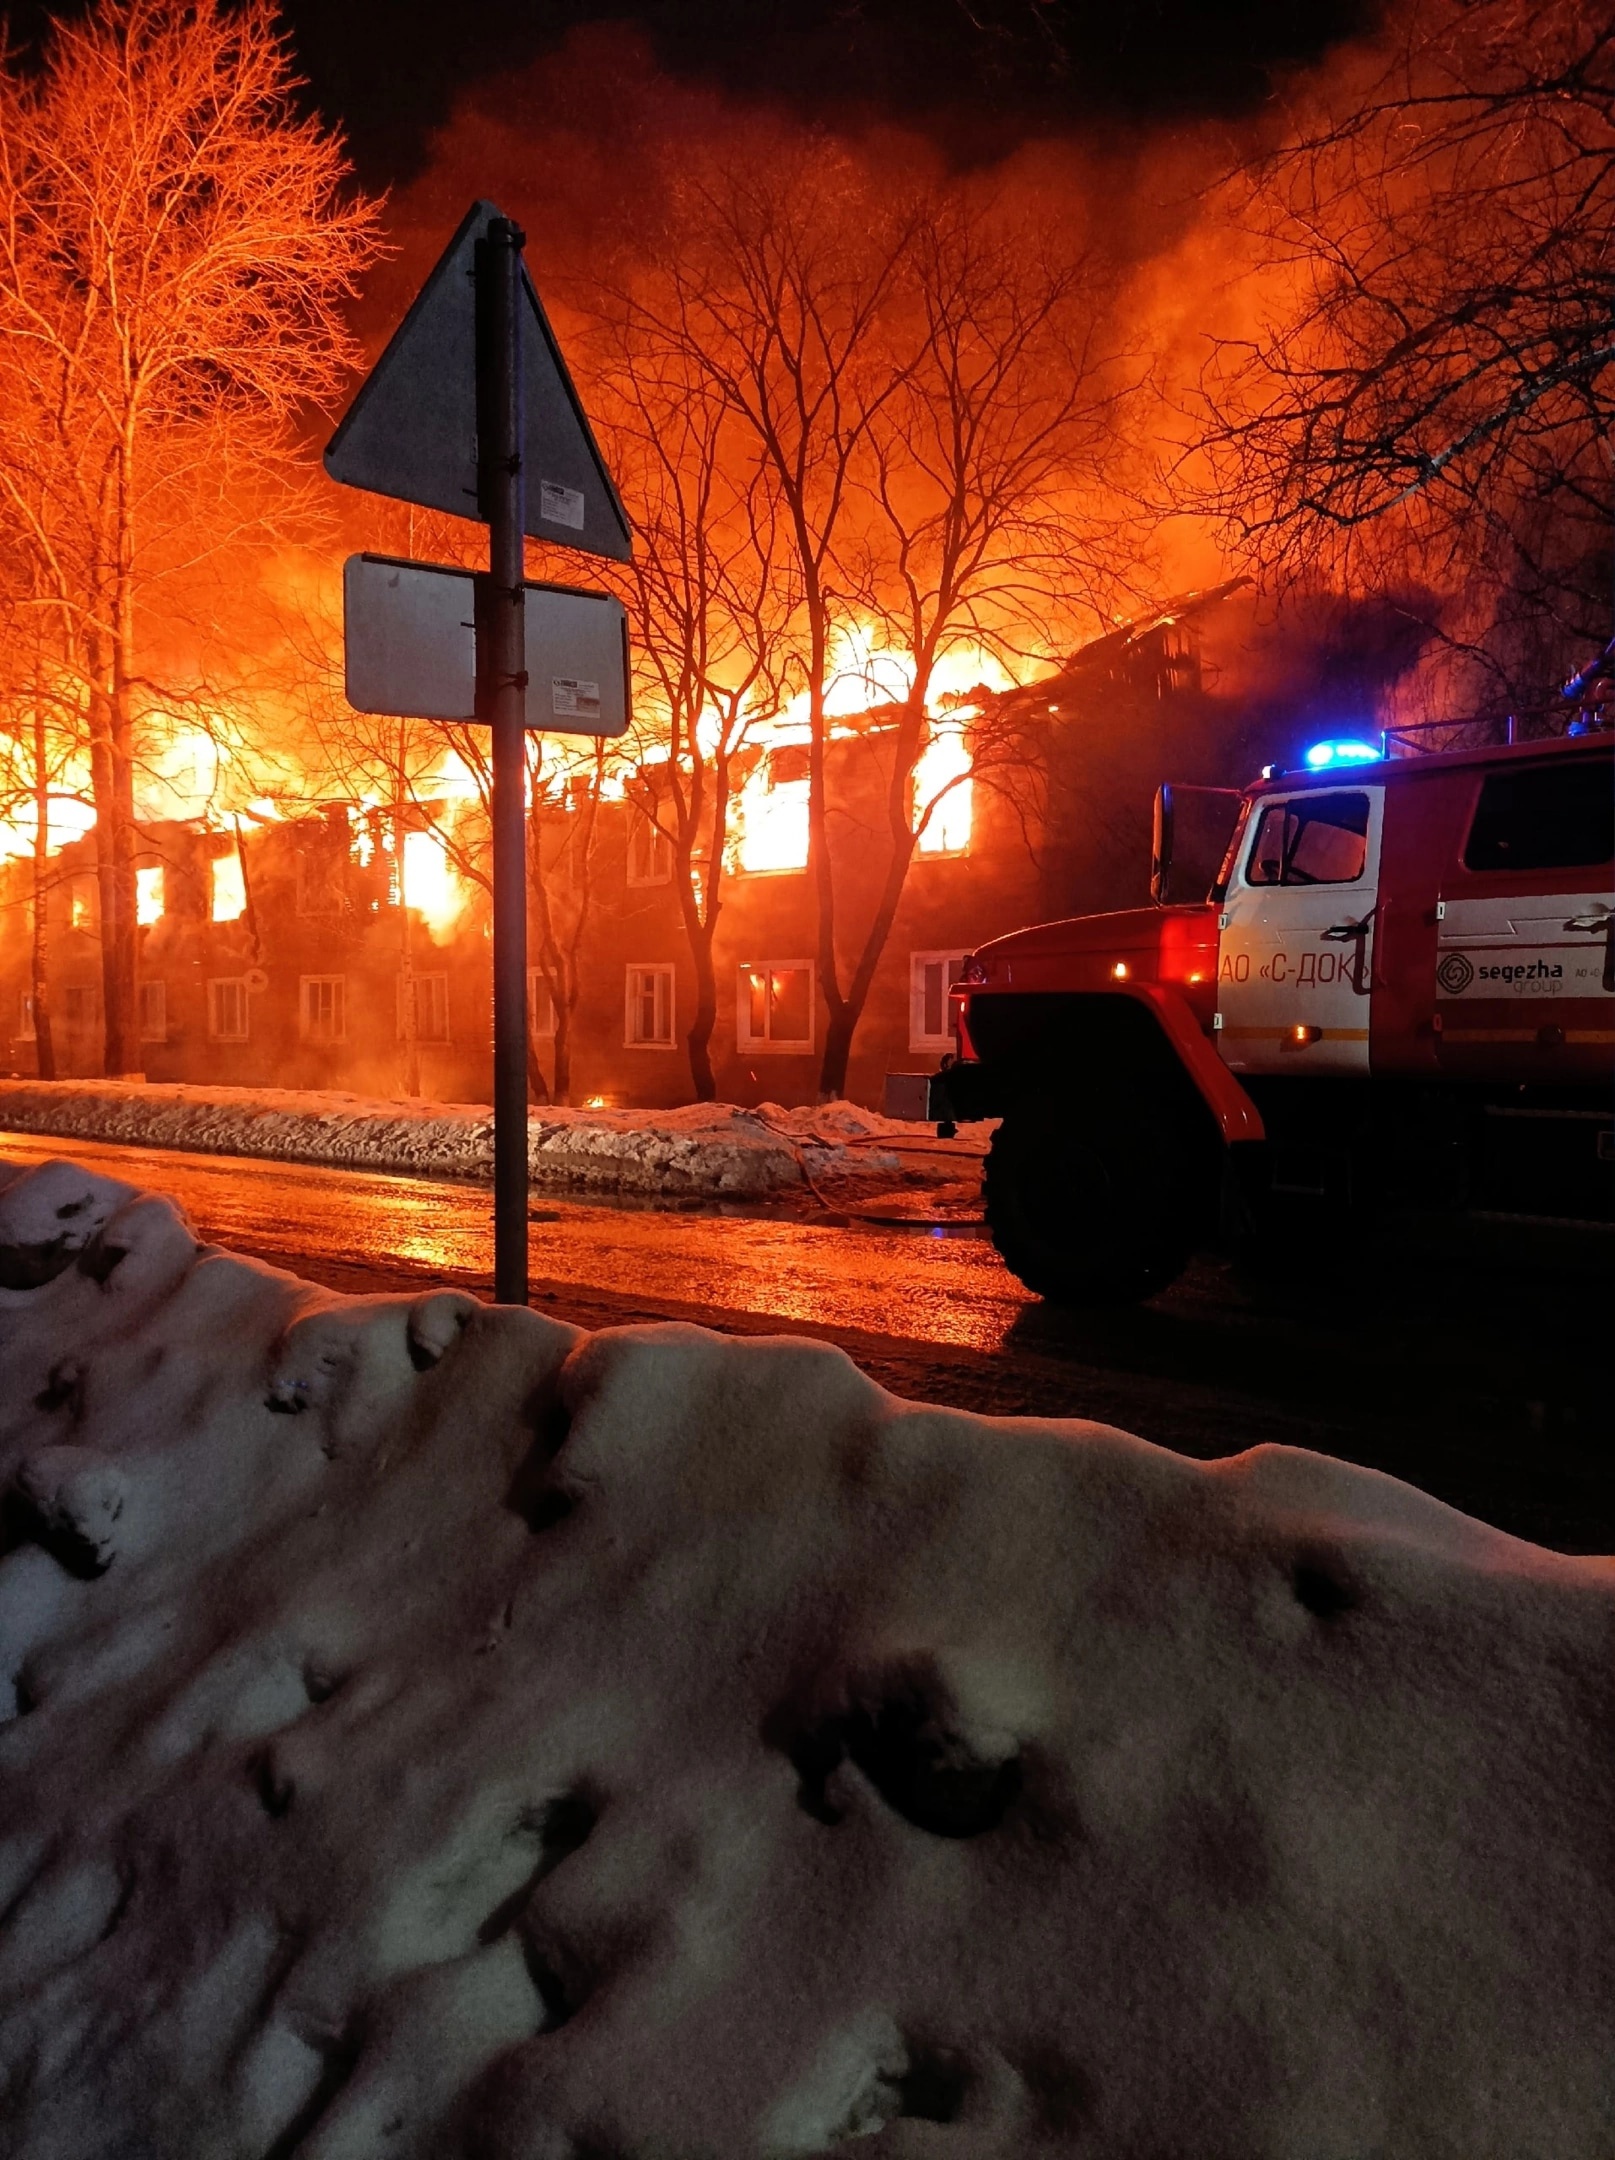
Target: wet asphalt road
1484,1380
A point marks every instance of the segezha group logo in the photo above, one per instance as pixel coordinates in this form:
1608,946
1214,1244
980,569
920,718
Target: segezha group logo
1456,973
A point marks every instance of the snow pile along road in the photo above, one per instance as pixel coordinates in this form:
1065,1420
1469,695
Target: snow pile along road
439,1733
714,1149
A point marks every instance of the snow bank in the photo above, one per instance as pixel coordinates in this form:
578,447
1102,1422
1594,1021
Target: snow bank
706,1148
443,1734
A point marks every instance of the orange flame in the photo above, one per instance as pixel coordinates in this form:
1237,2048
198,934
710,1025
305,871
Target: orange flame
229,901
430,884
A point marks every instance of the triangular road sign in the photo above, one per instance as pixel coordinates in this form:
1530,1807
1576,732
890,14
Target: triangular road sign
411,432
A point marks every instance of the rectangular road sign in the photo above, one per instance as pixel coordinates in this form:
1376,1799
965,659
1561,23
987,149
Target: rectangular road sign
411,432
410,644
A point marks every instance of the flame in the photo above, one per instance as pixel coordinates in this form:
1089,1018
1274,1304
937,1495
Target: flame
771,821
431,886
229,889
942,785
68,817
179,775
449,779
149,894
865,673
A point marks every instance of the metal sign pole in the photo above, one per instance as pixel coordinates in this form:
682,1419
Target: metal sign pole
502,702
477,342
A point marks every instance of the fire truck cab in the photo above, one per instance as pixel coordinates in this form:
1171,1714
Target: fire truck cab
1400,993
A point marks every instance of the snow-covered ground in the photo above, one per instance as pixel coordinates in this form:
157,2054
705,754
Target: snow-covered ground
707,1148
439,1733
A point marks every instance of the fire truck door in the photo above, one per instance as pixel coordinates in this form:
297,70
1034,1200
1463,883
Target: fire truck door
1295,949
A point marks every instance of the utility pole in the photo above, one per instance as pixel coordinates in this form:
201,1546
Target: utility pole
502,703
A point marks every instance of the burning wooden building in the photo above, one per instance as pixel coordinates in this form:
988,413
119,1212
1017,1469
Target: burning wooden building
346,944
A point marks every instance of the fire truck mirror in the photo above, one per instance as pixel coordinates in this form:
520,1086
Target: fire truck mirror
1161,847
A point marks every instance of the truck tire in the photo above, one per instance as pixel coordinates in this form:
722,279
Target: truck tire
1094,1209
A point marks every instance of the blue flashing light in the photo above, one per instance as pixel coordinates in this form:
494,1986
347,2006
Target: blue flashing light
1322,756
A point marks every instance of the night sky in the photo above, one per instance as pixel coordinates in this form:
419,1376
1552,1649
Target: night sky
987,73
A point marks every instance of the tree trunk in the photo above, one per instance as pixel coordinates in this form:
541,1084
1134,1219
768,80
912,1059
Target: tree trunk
112,776
409,1019
847,1009
563,1051
699,1038
838,1035
103,793
408,1016
698,934
538,1088
44,1047
837,1054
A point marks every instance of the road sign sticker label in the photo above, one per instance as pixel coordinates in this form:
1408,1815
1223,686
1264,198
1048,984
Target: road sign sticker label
571,699
560,505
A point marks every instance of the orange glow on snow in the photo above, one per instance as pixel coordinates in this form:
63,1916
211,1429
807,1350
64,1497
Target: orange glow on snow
229,889
431,887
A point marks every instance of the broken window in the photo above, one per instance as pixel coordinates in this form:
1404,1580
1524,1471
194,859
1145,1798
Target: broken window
774,1009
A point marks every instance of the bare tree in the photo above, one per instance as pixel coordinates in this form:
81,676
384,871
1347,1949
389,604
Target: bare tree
711,594
175,251
41,750
772,282
1435,393
990,476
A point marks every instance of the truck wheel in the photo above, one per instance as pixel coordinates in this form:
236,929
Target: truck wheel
1093,1210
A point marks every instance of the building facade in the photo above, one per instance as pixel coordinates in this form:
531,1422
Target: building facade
281,952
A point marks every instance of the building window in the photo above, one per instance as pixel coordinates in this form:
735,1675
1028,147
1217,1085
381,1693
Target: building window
771,813
149,894
431,1006
943,788
649,1016
930,976
650,854
324,848
774,1006
322,1002
25,1028
154,1012
227,1008
228,899
81,904
540,1004
78,1007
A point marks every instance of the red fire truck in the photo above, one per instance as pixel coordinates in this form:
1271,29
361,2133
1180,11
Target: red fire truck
1399,994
